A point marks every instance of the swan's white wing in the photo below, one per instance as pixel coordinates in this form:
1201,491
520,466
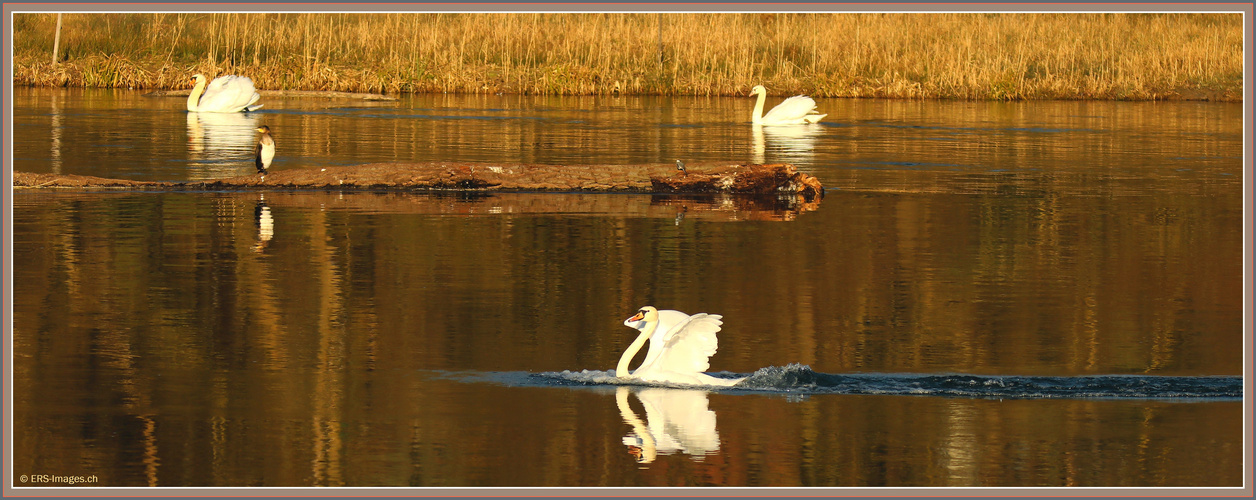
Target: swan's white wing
687,346
221,93
241,90
792,110
680,420
228,94
668,319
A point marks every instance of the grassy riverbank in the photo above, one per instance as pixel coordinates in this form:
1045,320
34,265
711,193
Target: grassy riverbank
966,56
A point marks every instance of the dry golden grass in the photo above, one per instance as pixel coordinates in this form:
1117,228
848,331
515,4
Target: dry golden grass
968,56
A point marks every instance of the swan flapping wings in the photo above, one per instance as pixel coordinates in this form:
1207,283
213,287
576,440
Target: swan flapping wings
680,345
687,346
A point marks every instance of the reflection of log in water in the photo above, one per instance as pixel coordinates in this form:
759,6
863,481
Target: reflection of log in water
683,208
779,180
726,207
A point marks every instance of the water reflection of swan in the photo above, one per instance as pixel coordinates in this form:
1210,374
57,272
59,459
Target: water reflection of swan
790,143
680,345
226,94
794,110
677,421
217,140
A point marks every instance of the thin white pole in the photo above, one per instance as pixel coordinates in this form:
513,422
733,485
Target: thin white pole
56,41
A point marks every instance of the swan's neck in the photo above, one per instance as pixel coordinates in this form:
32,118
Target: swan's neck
195,97
649,449
622,369
757,117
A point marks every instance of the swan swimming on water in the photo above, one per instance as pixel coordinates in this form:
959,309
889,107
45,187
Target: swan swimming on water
680,345
793,111
226,94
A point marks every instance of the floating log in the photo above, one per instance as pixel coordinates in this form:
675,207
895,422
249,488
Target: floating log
761,180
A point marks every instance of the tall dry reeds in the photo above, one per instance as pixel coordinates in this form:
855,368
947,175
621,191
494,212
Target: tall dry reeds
973,56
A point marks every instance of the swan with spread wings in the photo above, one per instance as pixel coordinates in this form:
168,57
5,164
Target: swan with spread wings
680,346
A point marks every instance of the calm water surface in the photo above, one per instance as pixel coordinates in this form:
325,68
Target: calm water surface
990,294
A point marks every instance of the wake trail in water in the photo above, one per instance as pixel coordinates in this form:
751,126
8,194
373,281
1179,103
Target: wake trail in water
802,380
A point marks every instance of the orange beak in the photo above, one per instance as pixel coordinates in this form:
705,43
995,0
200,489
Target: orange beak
637,317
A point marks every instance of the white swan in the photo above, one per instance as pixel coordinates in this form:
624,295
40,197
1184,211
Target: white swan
679,347
795,110
226,94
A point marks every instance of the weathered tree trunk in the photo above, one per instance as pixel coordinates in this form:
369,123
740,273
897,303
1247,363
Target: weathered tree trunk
743,179
774,180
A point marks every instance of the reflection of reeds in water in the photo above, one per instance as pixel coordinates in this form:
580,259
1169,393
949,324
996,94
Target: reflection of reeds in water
982,56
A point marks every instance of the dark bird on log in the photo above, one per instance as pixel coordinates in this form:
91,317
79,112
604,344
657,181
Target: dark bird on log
680,165
265,150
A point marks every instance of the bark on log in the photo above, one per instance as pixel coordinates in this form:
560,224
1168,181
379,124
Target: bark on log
769,180
743,179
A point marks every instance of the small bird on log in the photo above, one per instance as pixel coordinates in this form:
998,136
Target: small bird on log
680,165
265,150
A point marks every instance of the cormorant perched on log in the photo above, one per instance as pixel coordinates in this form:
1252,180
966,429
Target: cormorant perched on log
265,150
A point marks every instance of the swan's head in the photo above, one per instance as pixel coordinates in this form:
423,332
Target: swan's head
758,90
198,78
647,314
